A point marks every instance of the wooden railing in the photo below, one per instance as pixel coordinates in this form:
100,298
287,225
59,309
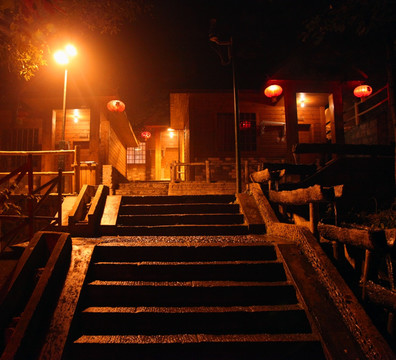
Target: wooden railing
180,171
35,198
60,153
352,116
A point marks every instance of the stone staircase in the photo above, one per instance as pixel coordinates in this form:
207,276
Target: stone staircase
179,301
140,188
180,215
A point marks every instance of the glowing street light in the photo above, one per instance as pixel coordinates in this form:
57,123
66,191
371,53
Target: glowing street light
63,57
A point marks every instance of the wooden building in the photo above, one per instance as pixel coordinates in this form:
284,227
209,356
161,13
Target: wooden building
102,136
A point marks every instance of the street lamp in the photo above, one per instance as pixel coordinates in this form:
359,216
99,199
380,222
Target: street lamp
63,57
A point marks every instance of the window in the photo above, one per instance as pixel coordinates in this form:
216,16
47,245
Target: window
247,132
137,155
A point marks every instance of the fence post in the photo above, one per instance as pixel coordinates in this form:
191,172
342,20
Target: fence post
207,171
246,172
30,195
77,169
173,172
59,197
357,120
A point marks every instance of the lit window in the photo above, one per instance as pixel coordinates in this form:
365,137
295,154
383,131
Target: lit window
137,155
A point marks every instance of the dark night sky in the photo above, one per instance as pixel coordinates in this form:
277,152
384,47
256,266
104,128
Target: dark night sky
170,49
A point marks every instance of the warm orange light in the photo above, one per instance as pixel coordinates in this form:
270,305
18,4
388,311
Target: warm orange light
76,115
71,50
362,91
273,91
62,57
116,106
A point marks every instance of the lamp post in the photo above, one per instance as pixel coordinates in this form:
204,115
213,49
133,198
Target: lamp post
231,59
63,57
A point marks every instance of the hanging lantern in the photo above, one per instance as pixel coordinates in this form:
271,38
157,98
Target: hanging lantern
245,124
116,106
362,91
145,135
273,91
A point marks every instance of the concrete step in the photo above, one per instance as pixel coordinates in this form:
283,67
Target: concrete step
178,301
190,208
141,188
178,219
199,346
189,293
178,199
190,320
182,230
195,271
130,252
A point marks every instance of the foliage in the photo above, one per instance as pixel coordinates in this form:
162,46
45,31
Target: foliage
7,205
358,17
29,25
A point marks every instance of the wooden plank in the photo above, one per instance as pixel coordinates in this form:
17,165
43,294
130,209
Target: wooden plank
24,341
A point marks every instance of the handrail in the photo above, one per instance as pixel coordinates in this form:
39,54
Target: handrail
35,152
175,169
75,166
32,206
355,107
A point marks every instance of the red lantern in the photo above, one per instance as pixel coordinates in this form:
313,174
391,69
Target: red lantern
243,125
273,91
116,106
146,135
362,91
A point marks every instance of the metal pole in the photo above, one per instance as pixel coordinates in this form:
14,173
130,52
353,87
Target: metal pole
62,143
236,122
64,111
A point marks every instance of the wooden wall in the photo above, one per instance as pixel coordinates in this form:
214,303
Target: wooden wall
270,140
117,153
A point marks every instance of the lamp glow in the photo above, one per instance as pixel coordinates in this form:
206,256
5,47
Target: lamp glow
273,91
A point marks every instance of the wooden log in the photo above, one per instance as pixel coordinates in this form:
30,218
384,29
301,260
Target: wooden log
381,296
312,194
266,175
366,239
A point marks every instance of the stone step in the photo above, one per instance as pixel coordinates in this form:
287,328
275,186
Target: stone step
178,199
140,188
195,271
136,252
179,219
199,346
191,208
189,293
190,320
182,230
